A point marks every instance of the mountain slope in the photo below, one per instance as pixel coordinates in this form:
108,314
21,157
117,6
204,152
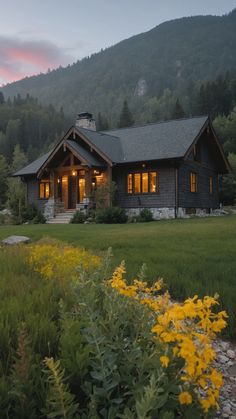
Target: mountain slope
172,55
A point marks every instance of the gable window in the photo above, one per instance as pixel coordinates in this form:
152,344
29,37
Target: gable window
193,182
44,189
142,183
211,185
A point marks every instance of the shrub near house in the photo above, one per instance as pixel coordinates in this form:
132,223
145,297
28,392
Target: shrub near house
126,350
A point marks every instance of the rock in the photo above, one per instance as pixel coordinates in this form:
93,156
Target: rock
5,212
227,409
15,240
223,359
230,354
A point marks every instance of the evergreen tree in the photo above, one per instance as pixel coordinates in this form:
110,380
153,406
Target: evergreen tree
16,188
2,100
178,111
3,180
102,123
126,118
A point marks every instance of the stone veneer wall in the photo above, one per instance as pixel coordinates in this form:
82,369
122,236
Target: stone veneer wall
169,213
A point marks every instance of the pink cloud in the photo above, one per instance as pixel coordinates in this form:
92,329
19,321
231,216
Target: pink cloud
23,58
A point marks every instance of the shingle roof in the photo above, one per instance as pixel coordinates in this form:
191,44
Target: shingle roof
163,140
108,143
33,167
88,157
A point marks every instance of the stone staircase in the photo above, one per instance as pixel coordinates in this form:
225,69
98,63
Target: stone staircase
62,217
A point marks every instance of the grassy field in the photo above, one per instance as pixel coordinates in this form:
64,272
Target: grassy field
193,256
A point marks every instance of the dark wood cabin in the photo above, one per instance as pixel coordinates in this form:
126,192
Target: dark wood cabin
170,167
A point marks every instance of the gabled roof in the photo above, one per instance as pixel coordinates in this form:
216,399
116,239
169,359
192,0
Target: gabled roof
158,141
33,167
88,157
163,140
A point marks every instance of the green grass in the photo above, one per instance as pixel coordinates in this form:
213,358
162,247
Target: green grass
193,256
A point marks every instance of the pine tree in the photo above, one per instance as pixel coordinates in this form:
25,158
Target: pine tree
102,123
126,118
178,111
2,100
3,179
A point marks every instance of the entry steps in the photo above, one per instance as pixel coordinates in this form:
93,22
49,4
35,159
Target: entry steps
62,217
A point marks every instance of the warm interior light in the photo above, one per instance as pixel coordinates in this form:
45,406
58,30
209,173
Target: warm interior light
73,173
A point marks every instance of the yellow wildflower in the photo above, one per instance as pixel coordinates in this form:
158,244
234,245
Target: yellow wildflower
185,398
164,361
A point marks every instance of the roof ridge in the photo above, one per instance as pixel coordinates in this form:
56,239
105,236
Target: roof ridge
154,123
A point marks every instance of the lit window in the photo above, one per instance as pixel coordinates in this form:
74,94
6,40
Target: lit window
193,182
137,183
153,182
81,189
130,183
211,184
144,182
44,190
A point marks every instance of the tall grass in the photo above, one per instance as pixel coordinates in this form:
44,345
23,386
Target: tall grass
195,256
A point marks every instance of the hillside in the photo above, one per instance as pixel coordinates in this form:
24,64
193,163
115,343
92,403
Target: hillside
173,55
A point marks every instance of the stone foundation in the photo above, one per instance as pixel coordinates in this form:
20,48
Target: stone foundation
157,213
52,208
169,213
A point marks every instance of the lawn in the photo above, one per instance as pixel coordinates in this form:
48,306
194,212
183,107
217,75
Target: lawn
193,256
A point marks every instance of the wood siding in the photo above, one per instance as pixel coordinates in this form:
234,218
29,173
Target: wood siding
165,197
33,194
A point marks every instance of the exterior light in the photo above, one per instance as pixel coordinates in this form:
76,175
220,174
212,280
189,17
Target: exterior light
96,172
73,173
143,165
58,180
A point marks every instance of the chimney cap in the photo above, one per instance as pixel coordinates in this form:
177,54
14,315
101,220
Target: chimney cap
85,115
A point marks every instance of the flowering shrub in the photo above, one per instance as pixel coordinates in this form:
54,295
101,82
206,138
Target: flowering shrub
54,260
186,330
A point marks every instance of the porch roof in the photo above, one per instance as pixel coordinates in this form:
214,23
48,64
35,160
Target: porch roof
88,157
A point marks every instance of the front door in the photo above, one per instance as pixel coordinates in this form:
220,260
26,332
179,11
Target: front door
71,192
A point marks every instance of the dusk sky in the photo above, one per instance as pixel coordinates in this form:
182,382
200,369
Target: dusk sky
42,34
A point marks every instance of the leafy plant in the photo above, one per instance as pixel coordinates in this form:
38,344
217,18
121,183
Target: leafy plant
78,218
60,402
145,215
112,215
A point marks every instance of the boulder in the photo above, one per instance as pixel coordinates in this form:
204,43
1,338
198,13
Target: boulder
15,240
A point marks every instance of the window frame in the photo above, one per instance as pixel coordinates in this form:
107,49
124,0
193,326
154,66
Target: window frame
191,183
44,183
140,173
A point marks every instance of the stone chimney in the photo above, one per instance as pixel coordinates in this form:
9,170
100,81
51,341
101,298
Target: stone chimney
85,120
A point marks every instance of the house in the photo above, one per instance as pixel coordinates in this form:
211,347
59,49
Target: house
171,167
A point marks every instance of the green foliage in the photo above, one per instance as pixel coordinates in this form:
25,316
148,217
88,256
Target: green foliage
3,180
26,123
60,402
78,218
145,216
105,194
111,215
178,111
126,118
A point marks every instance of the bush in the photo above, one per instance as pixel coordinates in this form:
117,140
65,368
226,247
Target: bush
145,216
78,218
112,215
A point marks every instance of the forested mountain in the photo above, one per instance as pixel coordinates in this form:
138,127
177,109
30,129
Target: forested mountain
169,61
31,126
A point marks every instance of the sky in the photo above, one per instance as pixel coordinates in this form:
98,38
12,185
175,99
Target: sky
36,35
